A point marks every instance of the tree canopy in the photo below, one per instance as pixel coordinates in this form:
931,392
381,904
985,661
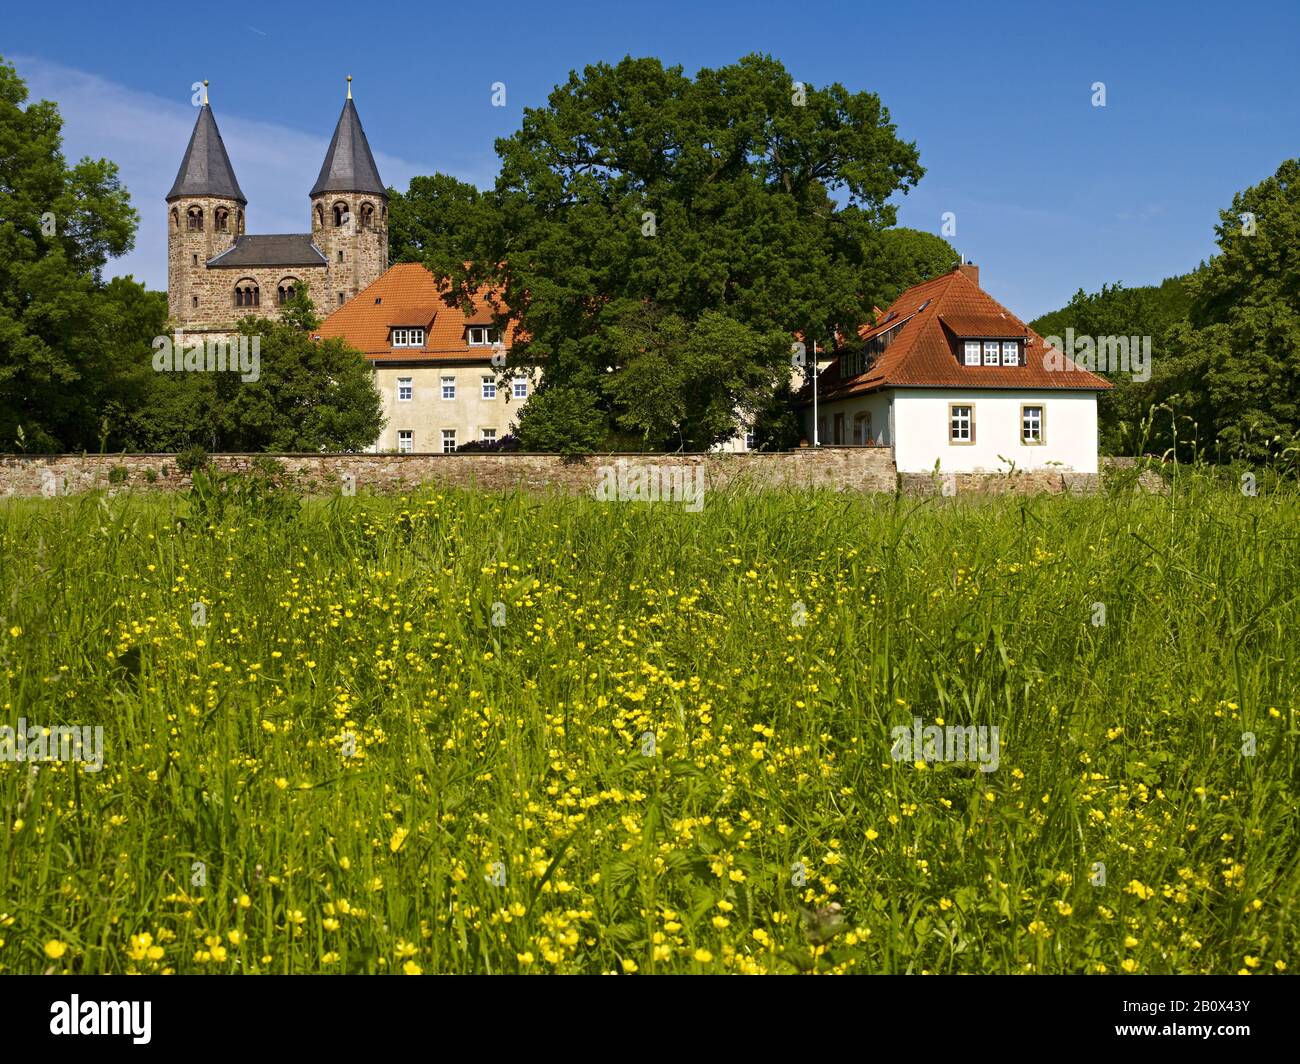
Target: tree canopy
66,338
308,395
729,208
1225,337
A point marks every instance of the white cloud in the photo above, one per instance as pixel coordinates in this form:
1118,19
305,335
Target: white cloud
146,136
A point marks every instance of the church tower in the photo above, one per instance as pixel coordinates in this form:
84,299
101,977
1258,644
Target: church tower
349,211
205,213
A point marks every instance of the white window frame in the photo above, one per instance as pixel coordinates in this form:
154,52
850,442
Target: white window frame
448,441
405,441
992,352
519,388
1033,429
961,426
480,336
751,438
408,337
973,352
487,435
489,387
448,391
405,389
1010,353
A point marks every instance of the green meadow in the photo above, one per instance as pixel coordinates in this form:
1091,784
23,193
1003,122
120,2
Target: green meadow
475,732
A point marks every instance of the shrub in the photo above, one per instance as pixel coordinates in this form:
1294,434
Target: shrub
191,459
508,442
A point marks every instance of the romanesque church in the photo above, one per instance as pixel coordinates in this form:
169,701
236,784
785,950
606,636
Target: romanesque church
217,273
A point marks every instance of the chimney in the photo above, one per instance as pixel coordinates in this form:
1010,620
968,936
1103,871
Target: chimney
971,271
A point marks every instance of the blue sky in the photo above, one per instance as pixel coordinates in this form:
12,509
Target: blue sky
1050,193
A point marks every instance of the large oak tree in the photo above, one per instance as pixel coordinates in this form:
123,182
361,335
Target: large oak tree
734,208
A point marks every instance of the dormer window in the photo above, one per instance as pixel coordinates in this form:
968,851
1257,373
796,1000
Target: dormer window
991,352
480,336
408,337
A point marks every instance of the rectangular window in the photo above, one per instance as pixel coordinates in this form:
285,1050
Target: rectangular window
488,435
448,441
408,337
449,387
991,351
839,428
489,387
521,388
1010,353
404,390
1031,424
961,423
340,299
405,441
972,352
480,336
750,440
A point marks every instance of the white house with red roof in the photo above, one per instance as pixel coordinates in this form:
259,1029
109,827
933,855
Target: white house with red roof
948,377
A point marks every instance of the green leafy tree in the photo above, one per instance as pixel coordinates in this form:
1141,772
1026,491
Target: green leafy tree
1238,354
59,225
435,221
739,192
681,385
907,257
562,420
1144,311
309,396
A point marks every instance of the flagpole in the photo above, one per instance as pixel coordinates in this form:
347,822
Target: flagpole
816,434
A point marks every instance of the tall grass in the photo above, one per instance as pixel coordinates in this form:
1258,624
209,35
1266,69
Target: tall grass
462,732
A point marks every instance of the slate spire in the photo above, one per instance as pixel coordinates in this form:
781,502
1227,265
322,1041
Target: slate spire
206,169
348,165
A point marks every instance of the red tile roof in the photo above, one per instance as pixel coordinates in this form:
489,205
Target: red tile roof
408,295
926,352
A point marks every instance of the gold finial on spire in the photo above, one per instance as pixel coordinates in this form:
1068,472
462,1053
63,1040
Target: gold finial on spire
349,86
205,90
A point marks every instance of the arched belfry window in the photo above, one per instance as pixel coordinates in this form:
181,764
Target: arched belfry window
341,216
367,216
194,219
286,289
247,294
221,219
176,218
241,222
320,217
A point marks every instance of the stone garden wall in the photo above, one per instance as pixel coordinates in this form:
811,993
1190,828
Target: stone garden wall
867,469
